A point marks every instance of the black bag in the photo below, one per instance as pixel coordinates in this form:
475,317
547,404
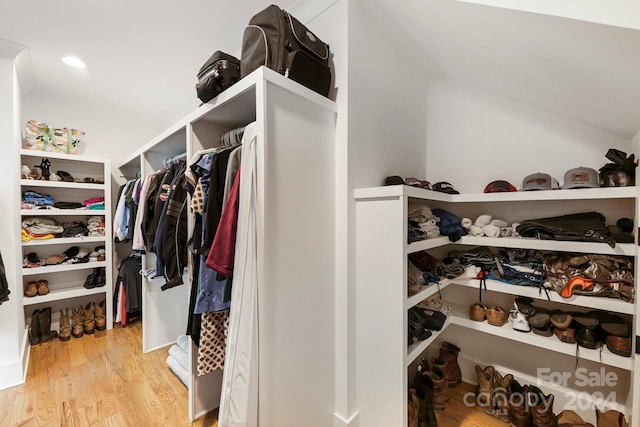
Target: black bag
279,41
217,74
585,227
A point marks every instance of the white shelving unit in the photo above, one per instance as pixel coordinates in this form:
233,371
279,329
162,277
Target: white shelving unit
66,281
296,130
381,240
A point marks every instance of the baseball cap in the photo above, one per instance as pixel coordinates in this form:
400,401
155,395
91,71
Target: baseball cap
499,186
393,180
444,187
539,181
581,177
415,182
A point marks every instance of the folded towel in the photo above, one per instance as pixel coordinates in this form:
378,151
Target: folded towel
177,369
476,230
491,230
183,342
499,223
484,220
180,355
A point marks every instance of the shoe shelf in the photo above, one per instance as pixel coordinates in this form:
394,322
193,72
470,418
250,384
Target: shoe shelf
423,245
62,267
459,316
74,158
62,294
61,184
61,212
417,348
627,249
519,196
65,241
425,293
595,302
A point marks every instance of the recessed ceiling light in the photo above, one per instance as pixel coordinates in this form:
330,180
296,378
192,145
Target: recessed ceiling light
73,61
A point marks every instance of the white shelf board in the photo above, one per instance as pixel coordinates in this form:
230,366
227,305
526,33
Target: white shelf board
628,249
426,244
61,212
61,184
517,196
61,156
459,316
62,294
599,303
417,348
65,241
425,293
61,267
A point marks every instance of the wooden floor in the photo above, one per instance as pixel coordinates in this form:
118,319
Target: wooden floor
105,380
457,414
102,379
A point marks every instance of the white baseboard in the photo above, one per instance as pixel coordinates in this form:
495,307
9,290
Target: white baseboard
339,421
15,373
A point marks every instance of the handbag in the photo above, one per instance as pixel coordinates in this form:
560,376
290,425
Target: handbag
40,136
277,40
584,227
220,72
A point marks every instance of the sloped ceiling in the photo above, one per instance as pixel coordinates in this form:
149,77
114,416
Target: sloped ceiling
581,70
142,57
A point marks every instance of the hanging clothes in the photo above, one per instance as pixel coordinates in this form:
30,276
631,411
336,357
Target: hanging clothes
239,400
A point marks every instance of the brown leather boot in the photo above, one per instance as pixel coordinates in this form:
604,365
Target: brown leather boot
34,332
571,419
99,315
89,320
44,322
43,287
440,387
541,408
449,354
501,396
413,408
424,390
611,418
77,326
31,289
485,388
65,326
519,405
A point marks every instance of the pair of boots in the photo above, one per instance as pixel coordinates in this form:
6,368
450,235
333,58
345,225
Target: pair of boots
530,407
610,418
96,279
41,332
83,320
493,392
436,370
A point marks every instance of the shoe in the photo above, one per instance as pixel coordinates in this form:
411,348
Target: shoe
89,282
65,326
619,345
99,315
571,419
89,320
424,390
561,320
34,332
524,305
449,354
477,312
101,278
541,408
519,405
587,320
501,396
519,321
44,323
540,319
565,335
612,324
485,388
413,408
496,316
587,338
440,387
611,418
43,287
77,325
31,289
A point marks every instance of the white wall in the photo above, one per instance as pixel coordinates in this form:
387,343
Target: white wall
475,136
11,318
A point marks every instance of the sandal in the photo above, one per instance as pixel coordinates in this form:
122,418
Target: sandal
66,176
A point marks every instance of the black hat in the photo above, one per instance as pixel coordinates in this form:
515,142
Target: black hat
393,180
444,187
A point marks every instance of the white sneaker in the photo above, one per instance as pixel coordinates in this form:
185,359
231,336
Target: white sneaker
519,321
